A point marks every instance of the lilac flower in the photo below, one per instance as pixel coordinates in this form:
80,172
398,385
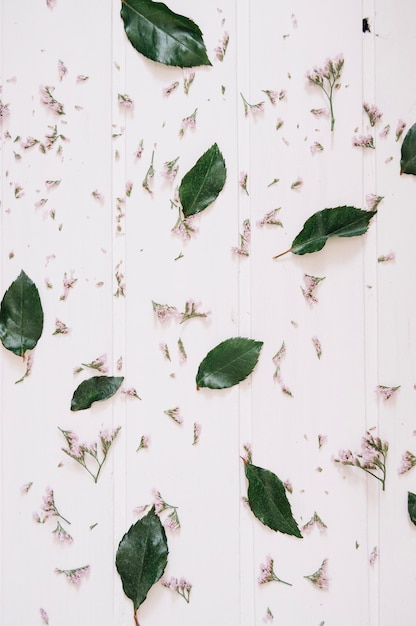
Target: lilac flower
316,147
270,219
61,534
327,78
384,258
401,125
29,364
170,169
243,181
272,95
311,282
245,238
181,586
62,69
277,376
172,520
182,352
4,111
252,108
317,346
60,328
81,78
131,392
128,188
248,457
221,49
268,575
371,459
363,141
320,577
99,364
139,151
408,462
85,454
50,139
48,99
51,4
188,122
164,312
197,433
125,101
144,443
322,439
374,114
51,184
288,485
188,79
386,392
44,616
168,90
385,131
191,310
74,576
26,487
29,143
48,508
268,617
372,201
175,415
315,521
319,112
373,556
184,226
165,351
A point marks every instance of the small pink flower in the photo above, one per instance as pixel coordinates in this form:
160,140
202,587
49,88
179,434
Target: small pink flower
320,577
175,415
44,616
384,258
168,90
197,433
62,70
144,443
164,312
270,219
401,125
363,141
374,114
315,521
125,101
272,95
188,79
372,201
386,392
317,346
74,576
243,181
60,328
188,122
297,184
408,462
245,238
373,556
316,147
51,102
221,49
4,111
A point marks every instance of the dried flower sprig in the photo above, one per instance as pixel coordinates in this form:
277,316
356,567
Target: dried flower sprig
48,509
268,575
84,453
371,459
221,49
172,520
144,443
245,238
175,415
270,219
164,312
311,282
363,141
125,101
252,108
320,577
4,111
317,346
197,433
182,352
171,88
191,310
188,79
188,122
184,226
277,376
386,392
29,365
170,169
315,521
44,616
149,175
181,586
385,258
61,534
401,125
51,102
243,182
408,462
327,78
374,114
74,576
99,364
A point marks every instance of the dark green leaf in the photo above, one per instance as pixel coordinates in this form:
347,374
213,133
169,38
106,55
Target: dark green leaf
94,389
268,501
142,557
228,363
161,35
21,316
408,157
342,221
411,506
202,184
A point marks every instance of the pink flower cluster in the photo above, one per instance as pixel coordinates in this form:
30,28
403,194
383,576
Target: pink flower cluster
320,577
74,576
181,586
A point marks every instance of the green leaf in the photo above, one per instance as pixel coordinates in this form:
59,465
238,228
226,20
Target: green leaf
94,389
342,221
21,316
163,36
228,363
411,506
202,184
268,501
408,156
142,557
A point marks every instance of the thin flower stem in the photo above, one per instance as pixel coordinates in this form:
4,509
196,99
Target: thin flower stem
382,480
63,518
282,253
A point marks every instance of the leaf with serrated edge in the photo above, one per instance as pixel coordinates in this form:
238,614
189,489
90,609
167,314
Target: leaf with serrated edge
21,316
408,152
342,221
202,184
142,557
411,506
93,390
228,363
162,35
268,501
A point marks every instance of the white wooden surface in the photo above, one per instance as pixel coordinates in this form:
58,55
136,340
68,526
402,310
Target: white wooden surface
364,319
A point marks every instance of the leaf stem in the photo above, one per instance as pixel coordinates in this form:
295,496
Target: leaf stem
282,253
136,621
